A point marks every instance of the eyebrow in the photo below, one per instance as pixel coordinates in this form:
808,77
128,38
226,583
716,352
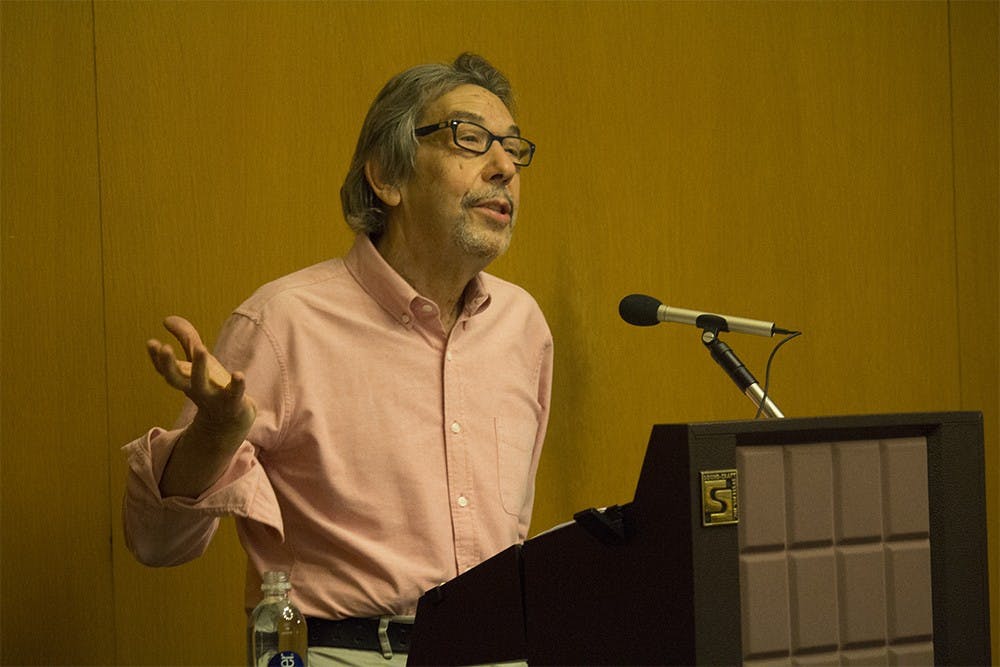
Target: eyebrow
514,130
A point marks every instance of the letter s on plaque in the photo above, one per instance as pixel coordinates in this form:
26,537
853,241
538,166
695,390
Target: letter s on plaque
719,498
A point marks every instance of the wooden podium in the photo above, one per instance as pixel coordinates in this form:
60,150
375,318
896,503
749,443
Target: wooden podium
844,539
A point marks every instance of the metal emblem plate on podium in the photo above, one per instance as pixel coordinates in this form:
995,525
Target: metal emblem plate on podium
719,498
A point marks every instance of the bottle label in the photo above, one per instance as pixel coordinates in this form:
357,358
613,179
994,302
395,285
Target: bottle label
286,659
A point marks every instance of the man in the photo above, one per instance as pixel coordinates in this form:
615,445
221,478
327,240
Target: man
382,425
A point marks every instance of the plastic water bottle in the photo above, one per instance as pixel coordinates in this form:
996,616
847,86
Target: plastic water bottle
279,636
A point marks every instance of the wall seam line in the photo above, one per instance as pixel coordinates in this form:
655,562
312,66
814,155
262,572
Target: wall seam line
104,336
954,209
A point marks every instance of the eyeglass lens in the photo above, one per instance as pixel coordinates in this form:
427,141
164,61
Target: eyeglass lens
477,139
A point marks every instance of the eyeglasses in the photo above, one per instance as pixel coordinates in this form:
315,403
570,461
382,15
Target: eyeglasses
477,139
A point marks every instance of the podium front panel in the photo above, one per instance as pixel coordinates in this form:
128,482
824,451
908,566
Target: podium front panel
842,540
835,551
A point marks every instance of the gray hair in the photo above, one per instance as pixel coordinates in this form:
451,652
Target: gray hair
387,134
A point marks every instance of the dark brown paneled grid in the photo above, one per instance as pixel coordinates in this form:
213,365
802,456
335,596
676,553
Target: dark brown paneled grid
835,553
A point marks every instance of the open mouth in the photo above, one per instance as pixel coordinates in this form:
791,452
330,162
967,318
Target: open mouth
501,207
498,208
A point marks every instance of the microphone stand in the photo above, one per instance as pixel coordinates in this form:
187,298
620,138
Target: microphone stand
724,356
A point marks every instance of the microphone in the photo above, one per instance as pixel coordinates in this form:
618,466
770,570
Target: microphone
644,311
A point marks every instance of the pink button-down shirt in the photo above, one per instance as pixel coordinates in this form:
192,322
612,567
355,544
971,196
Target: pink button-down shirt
387,456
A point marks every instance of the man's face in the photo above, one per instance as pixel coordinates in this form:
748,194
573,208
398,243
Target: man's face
456,199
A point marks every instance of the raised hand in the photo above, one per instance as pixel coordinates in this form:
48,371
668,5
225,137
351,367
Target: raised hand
220,396
225,411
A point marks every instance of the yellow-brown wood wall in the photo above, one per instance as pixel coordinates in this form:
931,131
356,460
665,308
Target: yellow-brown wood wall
830,166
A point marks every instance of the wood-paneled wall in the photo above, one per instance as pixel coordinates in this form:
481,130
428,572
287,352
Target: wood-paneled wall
830,166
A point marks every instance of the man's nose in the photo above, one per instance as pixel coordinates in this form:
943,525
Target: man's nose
500,164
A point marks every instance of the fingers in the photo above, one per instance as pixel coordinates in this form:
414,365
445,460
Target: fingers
194,348
199,370
185,333
237,386
206,372
167,365
202,374
221,396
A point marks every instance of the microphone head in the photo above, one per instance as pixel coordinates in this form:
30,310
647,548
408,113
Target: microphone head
640,310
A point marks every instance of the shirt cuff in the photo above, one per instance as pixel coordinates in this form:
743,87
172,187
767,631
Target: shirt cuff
243,489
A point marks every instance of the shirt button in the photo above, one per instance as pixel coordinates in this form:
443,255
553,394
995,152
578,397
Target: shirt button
463,501
455,427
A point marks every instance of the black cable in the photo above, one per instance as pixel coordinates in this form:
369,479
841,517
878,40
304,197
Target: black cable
767,372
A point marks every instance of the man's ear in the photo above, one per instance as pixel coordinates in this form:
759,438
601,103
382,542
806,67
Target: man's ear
387,192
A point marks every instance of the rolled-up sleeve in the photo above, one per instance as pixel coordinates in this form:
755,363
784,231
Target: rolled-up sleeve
173,530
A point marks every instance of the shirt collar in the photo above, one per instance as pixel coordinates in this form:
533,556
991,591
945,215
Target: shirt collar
477,298
396,296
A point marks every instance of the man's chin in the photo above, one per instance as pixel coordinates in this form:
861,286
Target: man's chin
486,253
486,245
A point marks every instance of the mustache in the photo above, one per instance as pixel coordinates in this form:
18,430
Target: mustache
475,198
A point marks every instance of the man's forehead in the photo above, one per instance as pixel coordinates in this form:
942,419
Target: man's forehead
470,102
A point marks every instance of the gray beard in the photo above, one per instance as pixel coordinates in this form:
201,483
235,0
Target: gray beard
483,245
469,238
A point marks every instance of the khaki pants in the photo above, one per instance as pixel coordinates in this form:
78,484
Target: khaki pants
321,656
348,657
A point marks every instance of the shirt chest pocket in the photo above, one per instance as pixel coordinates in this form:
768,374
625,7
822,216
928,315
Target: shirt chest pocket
515,441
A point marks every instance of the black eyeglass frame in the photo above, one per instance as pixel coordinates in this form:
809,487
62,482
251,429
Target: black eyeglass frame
454,123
